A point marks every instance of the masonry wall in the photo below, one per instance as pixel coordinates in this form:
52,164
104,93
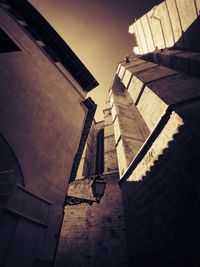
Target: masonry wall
160,187
173,23
110,157
94,235
161,200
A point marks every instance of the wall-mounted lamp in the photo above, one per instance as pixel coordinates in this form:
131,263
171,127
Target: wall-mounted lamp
92,188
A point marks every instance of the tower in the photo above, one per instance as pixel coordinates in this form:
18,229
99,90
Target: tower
154,107
95,235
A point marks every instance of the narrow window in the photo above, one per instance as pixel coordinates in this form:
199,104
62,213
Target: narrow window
100,152
6,44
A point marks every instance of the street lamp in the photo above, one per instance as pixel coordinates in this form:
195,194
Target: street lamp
98,188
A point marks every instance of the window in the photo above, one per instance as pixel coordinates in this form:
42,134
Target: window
100,153
6,44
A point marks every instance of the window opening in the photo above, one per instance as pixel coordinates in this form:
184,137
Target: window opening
100,153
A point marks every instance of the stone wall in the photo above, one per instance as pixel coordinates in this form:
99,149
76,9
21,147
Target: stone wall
94,236
162,197
171,23
160,187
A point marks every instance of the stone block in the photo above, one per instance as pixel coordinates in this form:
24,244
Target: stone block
156,29
188,17
175,22
175,89
121,72
118,99
127,127
133,30
110,161
127,78
126,150
108,130
161,13
121,157
147,32
108,120
143,41
125,74
143,65
144,77
123,111
135,88
135,69
154,74
109,143
151,107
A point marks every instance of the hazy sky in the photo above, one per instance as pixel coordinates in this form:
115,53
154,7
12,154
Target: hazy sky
97,31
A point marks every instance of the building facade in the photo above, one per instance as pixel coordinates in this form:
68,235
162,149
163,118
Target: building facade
152,144
43,85
95,235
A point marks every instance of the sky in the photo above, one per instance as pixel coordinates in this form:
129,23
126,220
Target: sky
97,31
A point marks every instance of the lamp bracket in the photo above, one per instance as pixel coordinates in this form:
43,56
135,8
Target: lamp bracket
75,201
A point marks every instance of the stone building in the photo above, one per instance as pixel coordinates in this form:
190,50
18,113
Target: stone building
151,148
42,83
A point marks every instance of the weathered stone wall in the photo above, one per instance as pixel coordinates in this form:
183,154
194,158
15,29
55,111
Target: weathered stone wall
162,196
130,132
110,157
94,235
161,187
179,60
171,23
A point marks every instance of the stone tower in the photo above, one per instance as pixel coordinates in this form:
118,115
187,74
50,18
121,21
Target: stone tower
152,128
95,235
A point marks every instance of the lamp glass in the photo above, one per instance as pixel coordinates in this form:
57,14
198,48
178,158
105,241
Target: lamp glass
98,187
